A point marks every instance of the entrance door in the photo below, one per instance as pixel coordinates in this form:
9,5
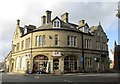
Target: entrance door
56,64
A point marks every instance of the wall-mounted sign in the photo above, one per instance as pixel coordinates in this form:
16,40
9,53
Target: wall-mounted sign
56,53
81,59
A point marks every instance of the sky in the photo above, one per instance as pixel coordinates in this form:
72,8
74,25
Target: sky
30,12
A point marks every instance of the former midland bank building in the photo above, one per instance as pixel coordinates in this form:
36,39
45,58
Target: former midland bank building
58,46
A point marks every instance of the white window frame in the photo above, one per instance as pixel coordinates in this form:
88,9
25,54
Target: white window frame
56,40
40,40
72,41
43,40
37,41
75,41
69,40
56,23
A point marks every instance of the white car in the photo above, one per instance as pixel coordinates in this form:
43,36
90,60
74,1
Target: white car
2,70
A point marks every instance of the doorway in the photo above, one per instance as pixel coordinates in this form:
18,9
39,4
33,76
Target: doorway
56,64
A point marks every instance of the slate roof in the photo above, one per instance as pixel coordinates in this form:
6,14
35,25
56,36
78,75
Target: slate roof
63,25
30,28
21,30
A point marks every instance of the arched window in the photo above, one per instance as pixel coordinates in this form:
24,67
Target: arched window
23,63
44,42
37,41
17,63
56,40
54,23
40,40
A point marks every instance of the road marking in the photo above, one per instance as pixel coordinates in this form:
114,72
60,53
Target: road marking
65,80
36,76
68,81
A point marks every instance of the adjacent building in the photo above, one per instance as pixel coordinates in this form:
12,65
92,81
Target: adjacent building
59,46
116,56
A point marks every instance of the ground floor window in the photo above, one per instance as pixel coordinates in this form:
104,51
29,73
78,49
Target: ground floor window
23,63
70,63
40,63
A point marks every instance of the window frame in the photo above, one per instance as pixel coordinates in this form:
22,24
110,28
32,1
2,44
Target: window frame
56,43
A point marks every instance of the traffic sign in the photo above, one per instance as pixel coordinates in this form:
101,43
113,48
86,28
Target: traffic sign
81,59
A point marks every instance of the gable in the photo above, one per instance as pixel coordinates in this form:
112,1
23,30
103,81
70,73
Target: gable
17,33
56,22
100,32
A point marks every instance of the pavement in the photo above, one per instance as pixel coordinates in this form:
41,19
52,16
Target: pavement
76,74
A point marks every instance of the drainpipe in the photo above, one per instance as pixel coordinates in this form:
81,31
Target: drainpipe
83,70
31,49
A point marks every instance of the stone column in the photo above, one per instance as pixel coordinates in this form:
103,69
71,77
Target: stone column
78,63
51,65
61,65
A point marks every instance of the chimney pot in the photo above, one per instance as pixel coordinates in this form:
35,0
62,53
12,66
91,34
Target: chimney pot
81,23
43,20
64,17
48,16
18,22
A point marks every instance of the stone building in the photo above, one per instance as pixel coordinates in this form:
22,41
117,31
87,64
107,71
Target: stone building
59,46
116,56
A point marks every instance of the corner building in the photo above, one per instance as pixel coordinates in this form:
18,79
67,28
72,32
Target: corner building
58,46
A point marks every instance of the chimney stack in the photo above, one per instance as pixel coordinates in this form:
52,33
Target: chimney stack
64,17
81,23
48,16
18,22
43,20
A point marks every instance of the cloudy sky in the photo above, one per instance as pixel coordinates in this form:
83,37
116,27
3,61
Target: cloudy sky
30,12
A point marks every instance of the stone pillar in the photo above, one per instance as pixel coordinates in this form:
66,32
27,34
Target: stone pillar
14,66
51,65
78,63
61,65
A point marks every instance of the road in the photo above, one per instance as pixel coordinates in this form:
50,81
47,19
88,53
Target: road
68,78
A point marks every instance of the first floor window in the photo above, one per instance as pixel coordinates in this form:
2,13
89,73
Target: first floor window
18,45
27,43
40,40
37,41
68,40
75,41
71,40
22,45
44,42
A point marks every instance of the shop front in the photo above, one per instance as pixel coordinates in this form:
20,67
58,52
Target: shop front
40,64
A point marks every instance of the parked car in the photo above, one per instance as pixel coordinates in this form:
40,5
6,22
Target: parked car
2,70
